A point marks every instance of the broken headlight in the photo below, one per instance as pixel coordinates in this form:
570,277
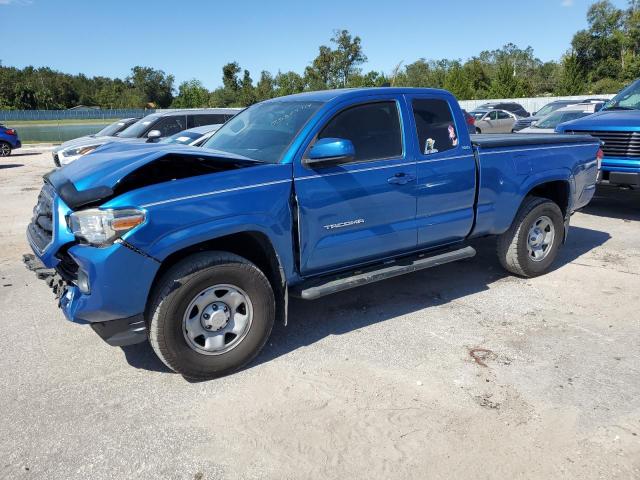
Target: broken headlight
103,227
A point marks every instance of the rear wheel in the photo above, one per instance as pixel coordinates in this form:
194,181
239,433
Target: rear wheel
211,314
5,149
531,244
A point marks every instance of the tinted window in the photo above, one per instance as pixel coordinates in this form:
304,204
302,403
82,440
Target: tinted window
373,128
170,125
435,127
207,119
503,115
139,128
493,115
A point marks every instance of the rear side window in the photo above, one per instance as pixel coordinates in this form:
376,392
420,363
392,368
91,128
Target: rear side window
373,128
503,115
170,125
435,127
207,119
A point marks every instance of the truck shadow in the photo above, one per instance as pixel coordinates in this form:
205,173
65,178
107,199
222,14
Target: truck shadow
311,321
615,203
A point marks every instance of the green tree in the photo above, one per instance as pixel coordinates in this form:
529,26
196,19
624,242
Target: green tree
154,86
288,83
247,94
572,78
265,86
191,94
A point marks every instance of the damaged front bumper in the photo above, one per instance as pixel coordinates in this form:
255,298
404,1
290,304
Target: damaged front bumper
119,286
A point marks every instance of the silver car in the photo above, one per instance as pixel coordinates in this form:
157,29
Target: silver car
493,121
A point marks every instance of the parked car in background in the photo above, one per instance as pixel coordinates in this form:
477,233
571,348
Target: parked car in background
470,120
111,130
512,107
617,124
549,123
193,136
9,140
552,107
151,128
493,121
199,249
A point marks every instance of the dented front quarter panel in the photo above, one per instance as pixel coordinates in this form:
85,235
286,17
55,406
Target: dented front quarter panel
194,210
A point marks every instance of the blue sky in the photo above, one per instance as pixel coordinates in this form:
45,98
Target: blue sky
194,39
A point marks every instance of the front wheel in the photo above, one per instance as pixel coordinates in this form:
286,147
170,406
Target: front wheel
531,244
5,149
210,315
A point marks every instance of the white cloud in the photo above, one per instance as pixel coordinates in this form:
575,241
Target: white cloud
567,3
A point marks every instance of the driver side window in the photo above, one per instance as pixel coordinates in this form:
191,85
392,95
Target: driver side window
373,128
493,115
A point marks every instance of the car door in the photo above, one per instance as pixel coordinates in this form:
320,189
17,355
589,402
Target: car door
491,121
446,170
363,209
505,122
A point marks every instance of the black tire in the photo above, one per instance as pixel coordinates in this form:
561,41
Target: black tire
5,149
512,245
173,294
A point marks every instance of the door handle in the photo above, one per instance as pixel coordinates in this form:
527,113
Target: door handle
401,178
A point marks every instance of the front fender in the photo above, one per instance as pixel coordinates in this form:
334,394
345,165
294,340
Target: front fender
189,235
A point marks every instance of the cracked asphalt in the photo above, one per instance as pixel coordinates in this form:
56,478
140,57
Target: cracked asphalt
460,371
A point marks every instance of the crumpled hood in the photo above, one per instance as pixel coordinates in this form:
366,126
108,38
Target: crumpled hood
623,120
97,174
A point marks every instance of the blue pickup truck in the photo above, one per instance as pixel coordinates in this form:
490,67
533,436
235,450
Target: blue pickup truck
618,126
199,249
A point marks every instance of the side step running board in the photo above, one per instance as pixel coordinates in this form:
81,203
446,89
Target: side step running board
323,287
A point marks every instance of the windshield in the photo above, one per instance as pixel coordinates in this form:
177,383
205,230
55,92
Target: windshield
627,99
181,137
263,132
553,120
137,129
549,108
111,130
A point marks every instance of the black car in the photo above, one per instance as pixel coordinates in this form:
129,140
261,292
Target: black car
512,107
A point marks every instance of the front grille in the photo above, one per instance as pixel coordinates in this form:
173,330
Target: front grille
616,144
522,123
41,227
67,266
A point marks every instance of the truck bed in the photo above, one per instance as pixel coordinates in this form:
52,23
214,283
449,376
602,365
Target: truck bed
489,140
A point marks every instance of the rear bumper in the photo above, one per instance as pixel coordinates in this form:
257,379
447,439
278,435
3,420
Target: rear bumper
631,179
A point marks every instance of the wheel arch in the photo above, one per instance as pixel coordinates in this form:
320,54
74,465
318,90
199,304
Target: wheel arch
253,245
558,191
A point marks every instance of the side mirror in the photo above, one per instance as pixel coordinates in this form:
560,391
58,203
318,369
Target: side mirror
330,151
154,135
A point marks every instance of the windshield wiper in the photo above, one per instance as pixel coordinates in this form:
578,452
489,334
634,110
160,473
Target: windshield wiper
619,107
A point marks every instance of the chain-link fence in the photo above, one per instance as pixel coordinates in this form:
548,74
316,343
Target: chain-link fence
55,126
72,114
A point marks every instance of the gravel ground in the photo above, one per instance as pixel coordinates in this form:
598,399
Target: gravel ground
379,382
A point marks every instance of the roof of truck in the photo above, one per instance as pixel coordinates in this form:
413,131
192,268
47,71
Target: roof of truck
328,95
